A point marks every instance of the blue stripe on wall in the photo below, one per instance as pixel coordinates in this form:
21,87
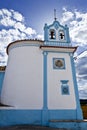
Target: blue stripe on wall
14,117
79,111
33,117
45,107
1,80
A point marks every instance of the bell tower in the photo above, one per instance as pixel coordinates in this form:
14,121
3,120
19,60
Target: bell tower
61,90
56,34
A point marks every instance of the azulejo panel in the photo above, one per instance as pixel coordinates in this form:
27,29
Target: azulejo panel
58,63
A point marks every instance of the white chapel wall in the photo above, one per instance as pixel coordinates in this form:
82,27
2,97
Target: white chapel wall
23,83
55,98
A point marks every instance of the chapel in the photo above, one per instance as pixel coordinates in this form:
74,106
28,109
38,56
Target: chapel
39,85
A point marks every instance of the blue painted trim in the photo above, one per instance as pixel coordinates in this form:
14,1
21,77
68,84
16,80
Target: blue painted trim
34,117
46,32
55,67
65,87
64,81
67,37
67,34
45,107
63,114
65,90
78,108
45,79
2,73
56,25
57,43
15,117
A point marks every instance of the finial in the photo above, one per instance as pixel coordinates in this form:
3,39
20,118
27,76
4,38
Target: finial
55,14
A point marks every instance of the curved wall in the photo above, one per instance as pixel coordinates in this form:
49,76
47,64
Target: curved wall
23,82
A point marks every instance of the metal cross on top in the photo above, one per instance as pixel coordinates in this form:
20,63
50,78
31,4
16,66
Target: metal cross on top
55,14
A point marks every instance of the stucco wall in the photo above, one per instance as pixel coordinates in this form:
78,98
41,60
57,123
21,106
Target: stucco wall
56,100
23,83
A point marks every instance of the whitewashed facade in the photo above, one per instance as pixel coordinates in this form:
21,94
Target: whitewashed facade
40,80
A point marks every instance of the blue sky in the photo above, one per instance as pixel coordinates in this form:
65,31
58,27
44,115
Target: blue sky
24,19
37,12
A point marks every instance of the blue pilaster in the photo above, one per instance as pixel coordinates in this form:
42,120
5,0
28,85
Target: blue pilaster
45,33
45,108
78,108
2,73
67,34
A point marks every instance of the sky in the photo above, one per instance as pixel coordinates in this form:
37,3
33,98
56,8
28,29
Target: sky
25,19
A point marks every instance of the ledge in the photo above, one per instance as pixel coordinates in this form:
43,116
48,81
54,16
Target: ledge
67,121
58,48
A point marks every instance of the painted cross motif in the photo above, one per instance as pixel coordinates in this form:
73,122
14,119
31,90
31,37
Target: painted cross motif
62,35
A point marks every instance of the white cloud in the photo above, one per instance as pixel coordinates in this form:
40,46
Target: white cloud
17,16
81,74
3,56
6,21
12,27
5,18
41,37
11,18
6,12
29,31
77,25
83,54
77,22
19,26
67,15
83,92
